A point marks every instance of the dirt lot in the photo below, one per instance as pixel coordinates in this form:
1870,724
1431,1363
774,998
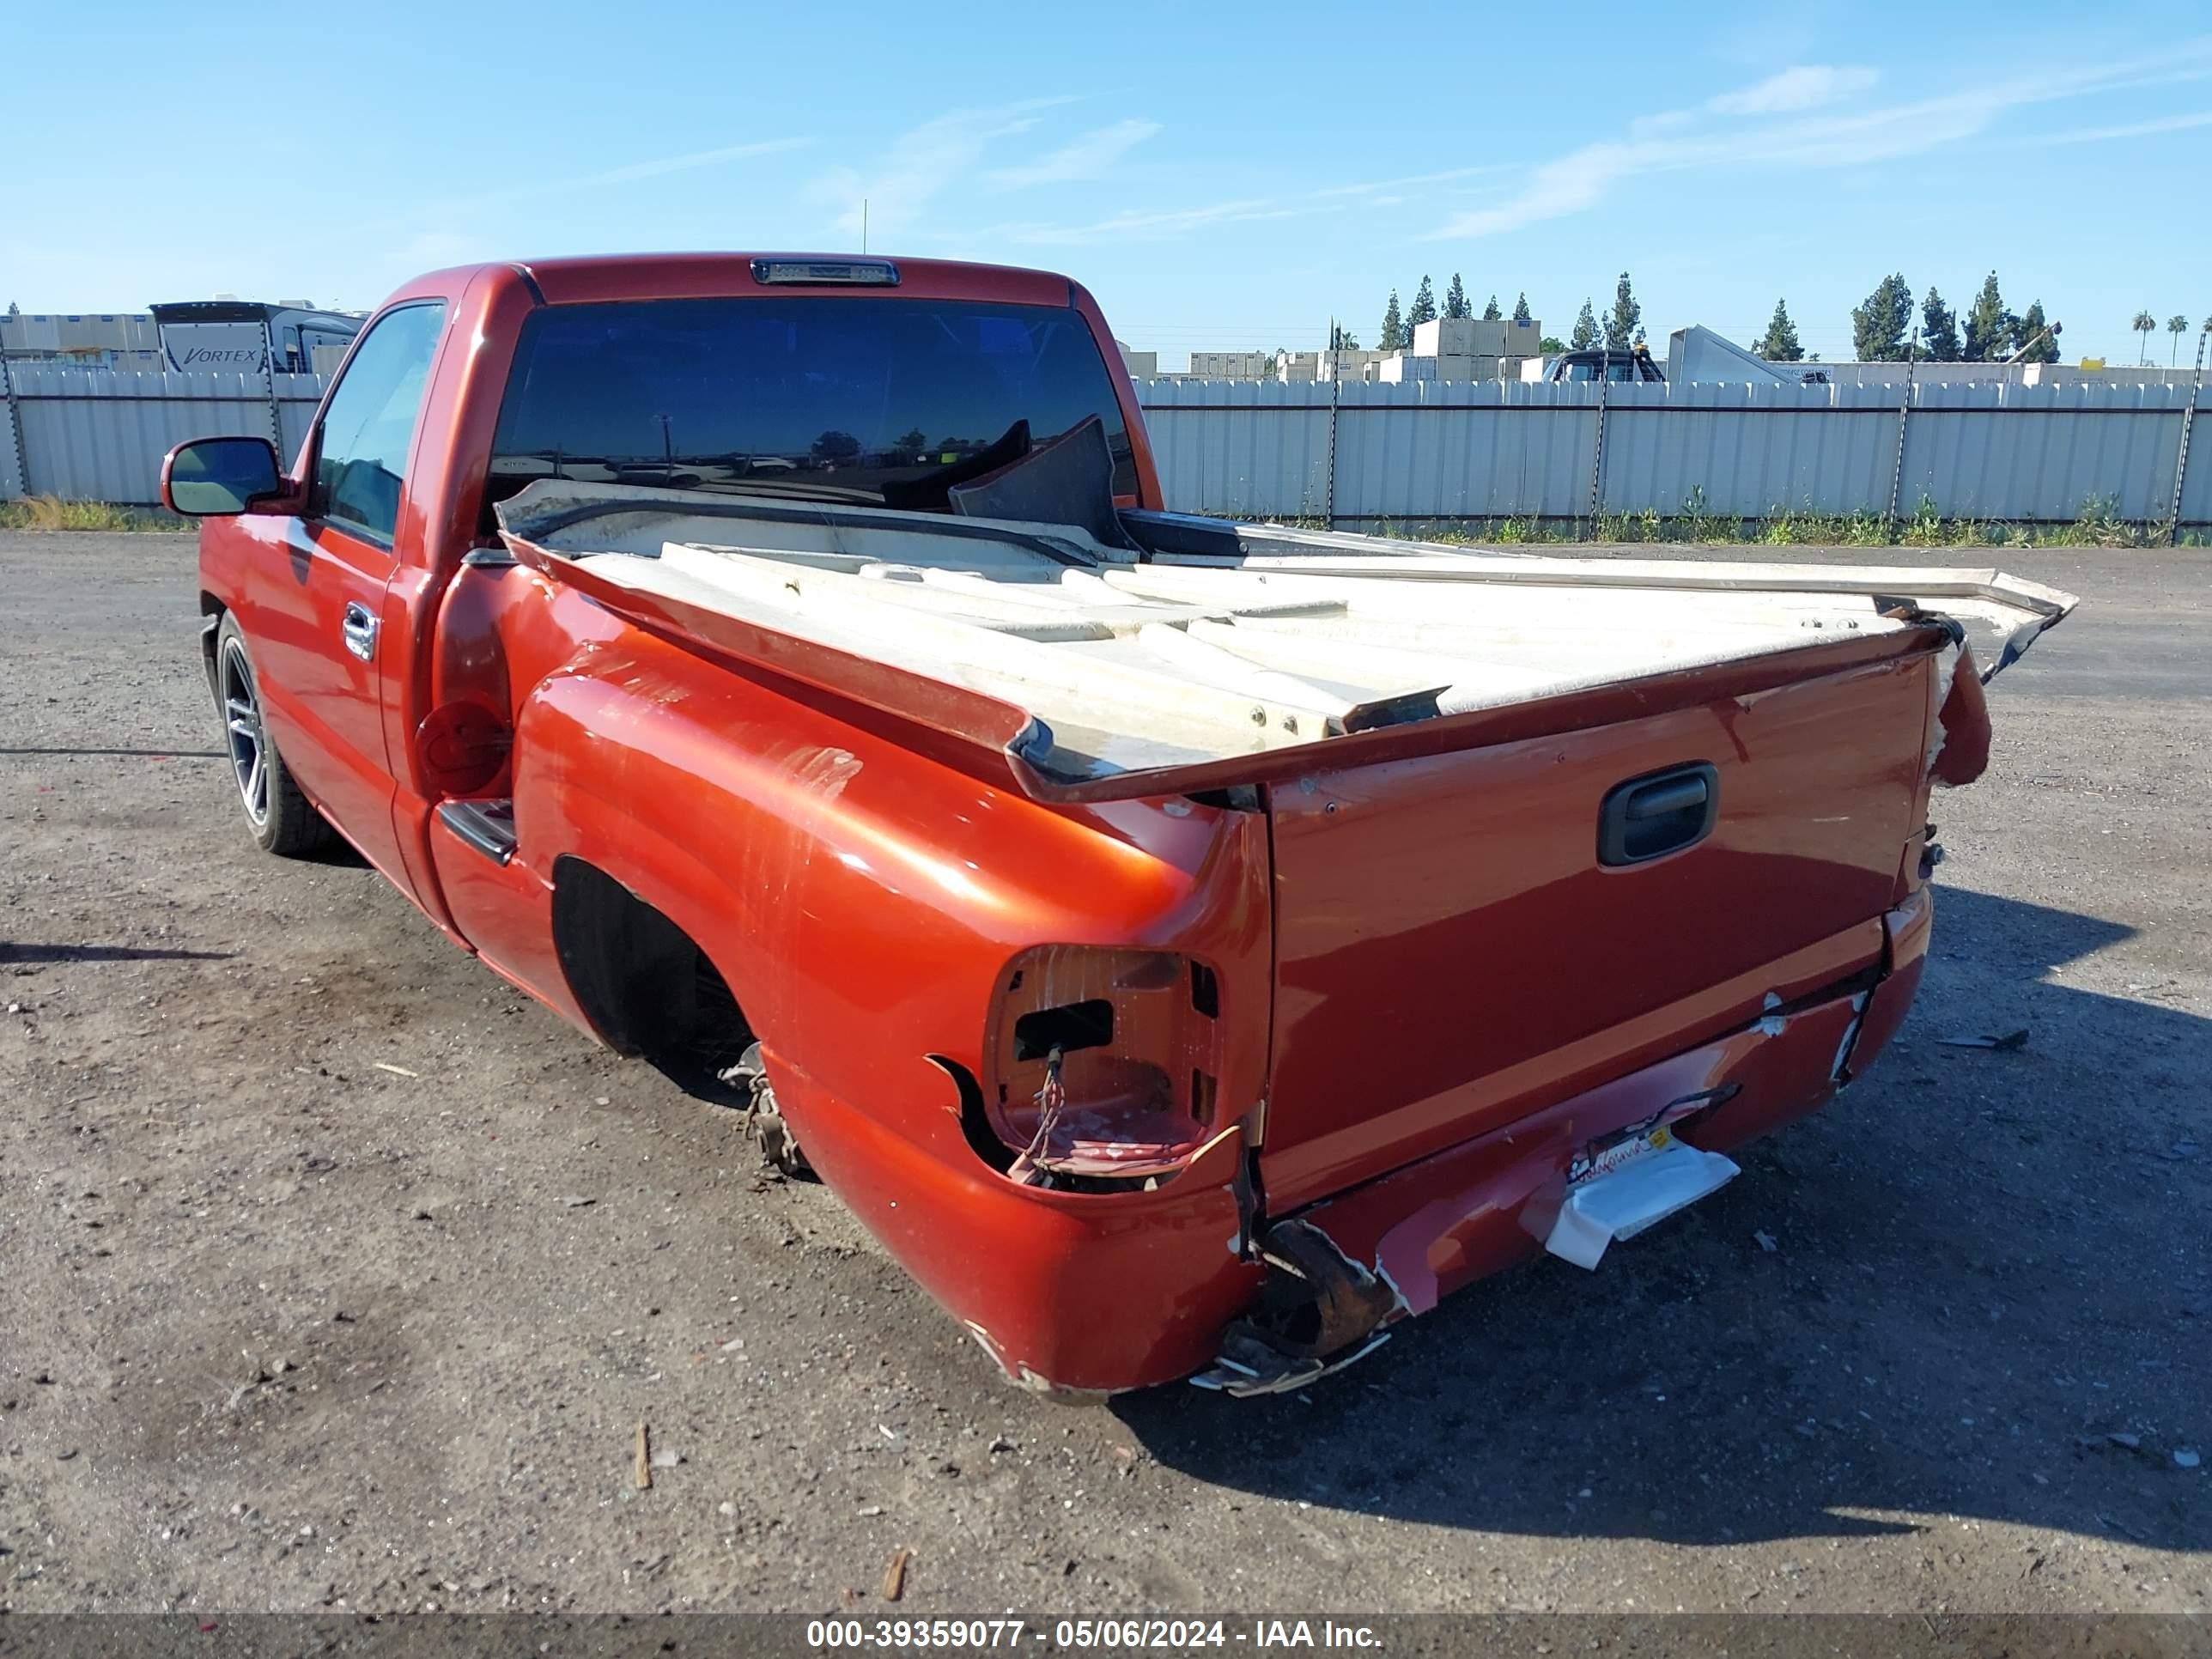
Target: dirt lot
333,1273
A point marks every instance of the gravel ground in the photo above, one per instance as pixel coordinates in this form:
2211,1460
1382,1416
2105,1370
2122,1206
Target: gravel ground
335,1274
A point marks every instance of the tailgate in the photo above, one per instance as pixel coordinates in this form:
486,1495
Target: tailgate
1452,952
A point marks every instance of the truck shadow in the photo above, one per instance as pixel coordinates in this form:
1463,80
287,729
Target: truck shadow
23,951
1985,1265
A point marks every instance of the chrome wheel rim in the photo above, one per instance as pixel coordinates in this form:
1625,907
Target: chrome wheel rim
249,743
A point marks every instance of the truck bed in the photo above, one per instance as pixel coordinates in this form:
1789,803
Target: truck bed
1099,672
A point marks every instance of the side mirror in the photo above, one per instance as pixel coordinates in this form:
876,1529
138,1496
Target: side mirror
213,476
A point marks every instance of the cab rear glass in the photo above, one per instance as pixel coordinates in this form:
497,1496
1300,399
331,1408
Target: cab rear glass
825,397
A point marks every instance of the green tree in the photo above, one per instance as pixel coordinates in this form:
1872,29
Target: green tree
1394,325
1780,343
1551,345
2176,326
914,442
2143,323
1341,338
1425,305
1456,299
1620,322
1939,340
1491,313
1520,313
2033,348
1990,328
1879,323
1585,334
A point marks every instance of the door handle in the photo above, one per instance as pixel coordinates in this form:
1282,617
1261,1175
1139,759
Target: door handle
360,631
1665,796
1664,812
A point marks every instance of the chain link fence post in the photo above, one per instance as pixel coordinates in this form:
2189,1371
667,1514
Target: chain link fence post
1597,444
15,429
1329,359
1903,414
2181,458
268,385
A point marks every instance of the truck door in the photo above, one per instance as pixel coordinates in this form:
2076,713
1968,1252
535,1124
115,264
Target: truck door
316,622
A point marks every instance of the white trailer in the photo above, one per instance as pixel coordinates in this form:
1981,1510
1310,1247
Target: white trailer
1698,354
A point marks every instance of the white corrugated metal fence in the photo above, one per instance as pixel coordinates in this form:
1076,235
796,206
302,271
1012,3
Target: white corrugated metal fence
1367,454
98,434
1455,450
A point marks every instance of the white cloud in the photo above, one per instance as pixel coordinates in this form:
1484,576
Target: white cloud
1087,157
2133,130
1134,224
920,163
698,158
1807,86
1792,135
1797,117
1564,185
1448,176
1156,223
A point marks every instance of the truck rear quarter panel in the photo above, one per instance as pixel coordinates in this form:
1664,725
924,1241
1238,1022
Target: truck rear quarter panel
863,904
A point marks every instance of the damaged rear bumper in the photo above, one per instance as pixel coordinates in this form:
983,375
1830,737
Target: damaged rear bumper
1078,1294
1397,1246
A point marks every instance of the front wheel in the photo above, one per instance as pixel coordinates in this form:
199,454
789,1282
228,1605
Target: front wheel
281,819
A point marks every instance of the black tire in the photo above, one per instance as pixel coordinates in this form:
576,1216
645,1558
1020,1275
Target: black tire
279,817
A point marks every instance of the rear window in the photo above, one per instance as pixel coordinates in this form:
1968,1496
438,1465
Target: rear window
831,398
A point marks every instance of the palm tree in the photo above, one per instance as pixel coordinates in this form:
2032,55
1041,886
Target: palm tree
2176,326
2143,323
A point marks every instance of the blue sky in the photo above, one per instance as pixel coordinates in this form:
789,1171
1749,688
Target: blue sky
1221,176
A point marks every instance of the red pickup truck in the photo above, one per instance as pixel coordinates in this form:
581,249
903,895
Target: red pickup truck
1192,948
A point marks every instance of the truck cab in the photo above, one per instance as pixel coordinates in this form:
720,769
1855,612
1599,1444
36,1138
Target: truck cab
1615,368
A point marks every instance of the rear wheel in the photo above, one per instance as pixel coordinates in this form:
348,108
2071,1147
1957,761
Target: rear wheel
763,1122
280,819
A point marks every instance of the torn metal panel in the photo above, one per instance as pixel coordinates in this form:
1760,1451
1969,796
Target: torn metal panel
1960,746
1318,1312
1473,1209
1840,1071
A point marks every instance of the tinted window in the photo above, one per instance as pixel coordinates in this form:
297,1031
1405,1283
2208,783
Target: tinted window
362,456
823,396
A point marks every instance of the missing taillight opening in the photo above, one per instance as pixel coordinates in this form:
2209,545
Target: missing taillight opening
1205,991
1070,1027
1114,1082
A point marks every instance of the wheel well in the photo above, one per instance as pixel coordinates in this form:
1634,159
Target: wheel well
212,612
646,987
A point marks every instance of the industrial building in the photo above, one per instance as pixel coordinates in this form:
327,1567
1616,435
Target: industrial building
1233,365
84,339
1466,349
245,336
1443,348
